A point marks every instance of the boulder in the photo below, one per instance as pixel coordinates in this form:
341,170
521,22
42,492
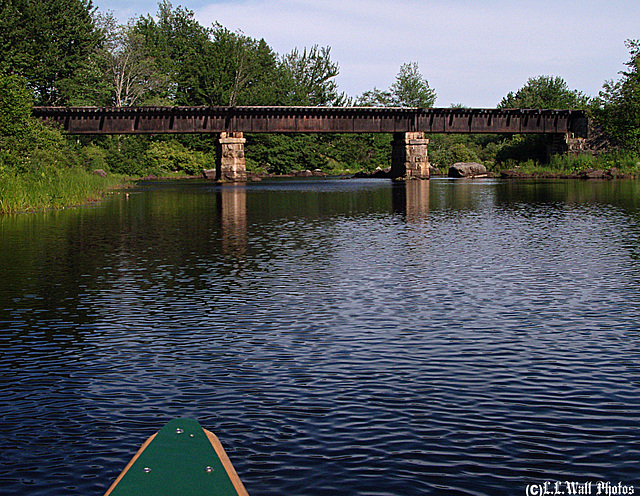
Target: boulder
467,169
209,173
592,174
100,172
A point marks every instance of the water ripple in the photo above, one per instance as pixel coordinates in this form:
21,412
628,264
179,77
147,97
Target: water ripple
337,338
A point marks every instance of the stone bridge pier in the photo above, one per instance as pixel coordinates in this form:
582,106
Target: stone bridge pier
409,157
230,163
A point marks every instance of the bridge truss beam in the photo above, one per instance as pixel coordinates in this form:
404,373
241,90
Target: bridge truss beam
190,120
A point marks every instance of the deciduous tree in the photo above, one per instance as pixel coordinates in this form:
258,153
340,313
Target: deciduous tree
179,45
541,92
619,104
410,89
545,92
312,74
134,75
49,43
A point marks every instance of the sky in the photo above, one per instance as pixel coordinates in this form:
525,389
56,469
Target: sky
472,52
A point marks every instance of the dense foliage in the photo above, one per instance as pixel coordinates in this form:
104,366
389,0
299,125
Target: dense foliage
50,43
618,111
542,92
410,89
545,92
65,52
39,167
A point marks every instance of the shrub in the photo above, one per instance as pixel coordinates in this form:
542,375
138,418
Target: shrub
171,156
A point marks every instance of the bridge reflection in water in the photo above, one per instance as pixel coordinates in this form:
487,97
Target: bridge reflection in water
409,199
233,218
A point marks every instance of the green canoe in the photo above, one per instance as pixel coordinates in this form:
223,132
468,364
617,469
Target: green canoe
180,459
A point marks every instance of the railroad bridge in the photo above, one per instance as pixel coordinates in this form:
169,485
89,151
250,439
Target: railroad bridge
408,126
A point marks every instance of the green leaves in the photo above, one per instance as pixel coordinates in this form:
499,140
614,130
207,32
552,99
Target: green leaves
410,89
49,43
618,111
15,105
545,92
312,76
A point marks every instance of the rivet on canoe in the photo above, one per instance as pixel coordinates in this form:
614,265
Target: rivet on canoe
208,469
179,431
146,470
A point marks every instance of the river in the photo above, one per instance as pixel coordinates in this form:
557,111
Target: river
352,337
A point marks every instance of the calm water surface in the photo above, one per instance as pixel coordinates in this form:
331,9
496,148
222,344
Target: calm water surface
351,337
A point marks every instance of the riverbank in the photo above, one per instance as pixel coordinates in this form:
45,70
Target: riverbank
54,189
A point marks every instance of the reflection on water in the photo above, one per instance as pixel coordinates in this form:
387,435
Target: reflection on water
233,218
340,336
411,199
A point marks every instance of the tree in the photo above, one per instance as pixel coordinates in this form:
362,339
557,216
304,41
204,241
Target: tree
133,74
312,76
376,98
618,111
241,71
179,45
48,42
13,38
211,66
15,105
545,92
410,89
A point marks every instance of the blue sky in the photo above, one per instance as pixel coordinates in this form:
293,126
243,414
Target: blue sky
471,52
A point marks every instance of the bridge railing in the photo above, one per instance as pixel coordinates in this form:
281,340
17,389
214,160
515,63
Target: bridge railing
171,120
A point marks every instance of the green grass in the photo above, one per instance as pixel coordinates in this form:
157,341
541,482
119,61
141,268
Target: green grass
628,163
53,189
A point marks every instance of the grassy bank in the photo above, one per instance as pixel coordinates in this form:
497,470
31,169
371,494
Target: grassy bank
53,188
569,165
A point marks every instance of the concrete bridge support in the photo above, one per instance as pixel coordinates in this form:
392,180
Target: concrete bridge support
409,157
230,164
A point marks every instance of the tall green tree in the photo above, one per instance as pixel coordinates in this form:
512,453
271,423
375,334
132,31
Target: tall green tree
545,92
211,66
179,45
241,71
312,77
619,104
49,43
410,89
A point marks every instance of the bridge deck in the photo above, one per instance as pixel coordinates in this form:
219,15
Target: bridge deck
163,120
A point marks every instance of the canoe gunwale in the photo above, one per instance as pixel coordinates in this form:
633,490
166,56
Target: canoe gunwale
217,446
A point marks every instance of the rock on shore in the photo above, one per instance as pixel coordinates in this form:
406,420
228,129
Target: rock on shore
467,169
